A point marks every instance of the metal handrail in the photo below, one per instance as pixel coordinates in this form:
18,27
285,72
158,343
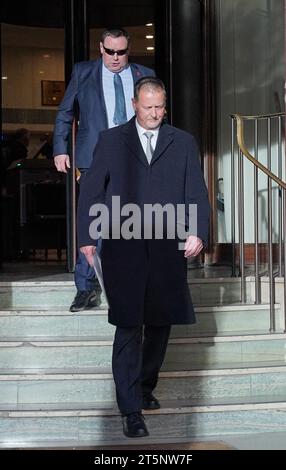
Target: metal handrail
259,116
243,151
240,139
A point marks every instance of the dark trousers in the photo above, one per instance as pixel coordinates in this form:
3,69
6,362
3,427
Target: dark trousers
84,274
137,357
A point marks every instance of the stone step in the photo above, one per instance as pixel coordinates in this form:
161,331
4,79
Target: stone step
96,352
98,387
218,319
55,294
224,375
29,426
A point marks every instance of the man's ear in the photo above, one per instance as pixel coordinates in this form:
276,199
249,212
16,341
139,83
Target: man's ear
165,119
101,47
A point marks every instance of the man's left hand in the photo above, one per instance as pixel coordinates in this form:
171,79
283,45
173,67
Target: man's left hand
193,246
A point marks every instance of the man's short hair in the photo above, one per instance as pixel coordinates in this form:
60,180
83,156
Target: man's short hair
152,83
115,33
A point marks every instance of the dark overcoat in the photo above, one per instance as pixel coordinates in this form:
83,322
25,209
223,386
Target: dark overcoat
145,280
85,93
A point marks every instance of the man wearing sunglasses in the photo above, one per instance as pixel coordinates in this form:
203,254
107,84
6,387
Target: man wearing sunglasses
99,96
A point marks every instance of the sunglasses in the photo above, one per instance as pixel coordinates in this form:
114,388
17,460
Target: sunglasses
112,52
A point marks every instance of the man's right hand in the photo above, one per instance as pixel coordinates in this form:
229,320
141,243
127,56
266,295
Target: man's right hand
89,252
62,162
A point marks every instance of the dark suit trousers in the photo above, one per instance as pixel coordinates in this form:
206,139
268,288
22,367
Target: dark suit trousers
136,362
84,274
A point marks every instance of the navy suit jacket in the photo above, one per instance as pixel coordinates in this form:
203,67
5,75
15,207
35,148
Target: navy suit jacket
85,94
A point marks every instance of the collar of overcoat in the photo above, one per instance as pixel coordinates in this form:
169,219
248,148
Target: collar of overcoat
131,138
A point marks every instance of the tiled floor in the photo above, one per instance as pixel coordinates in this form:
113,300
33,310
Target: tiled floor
53,270
40,268
34,271
262,441
207,445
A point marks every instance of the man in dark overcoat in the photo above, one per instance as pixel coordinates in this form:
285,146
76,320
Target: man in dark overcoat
141,163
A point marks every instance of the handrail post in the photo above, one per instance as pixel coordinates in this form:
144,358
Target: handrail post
284,243
241,226
256,230
232,191
280,214
270,228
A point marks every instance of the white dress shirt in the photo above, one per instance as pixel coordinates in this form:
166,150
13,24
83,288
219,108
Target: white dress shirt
143,138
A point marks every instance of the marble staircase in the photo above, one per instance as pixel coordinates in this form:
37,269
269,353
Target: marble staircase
225,375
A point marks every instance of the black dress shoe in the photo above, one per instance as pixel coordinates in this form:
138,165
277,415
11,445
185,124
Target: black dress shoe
85,299
150,403
134,426
94,300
